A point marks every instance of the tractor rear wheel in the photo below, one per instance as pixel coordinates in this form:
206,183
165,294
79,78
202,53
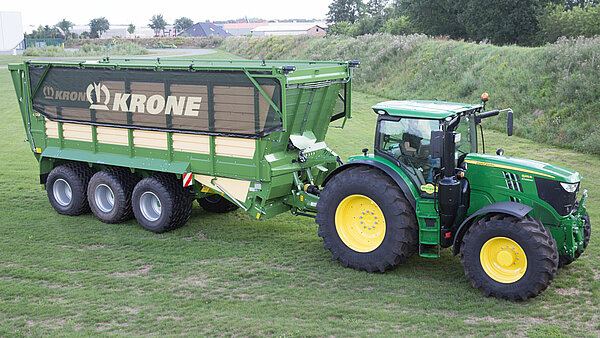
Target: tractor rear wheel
508,257
216,203
160,203
66,187
366,221
587,232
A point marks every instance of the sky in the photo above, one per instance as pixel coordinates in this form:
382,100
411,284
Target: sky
36,12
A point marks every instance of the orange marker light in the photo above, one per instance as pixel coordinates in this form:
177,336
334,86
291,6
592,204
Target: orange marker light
485,97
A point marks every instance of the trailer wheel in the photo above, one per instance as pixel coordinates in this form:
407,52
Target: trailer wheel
216,203
587,232
160,203
508,257
109,194
66,187
366,221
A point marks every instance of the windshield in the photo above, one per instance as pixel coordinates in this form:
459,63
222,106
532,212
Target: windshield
466,139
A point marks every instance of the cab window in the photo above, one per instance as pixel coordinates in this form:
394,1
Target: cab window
407,141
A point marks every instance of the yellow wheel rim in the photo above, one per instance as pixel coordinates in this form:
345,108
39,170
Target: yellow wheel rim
360,223
503,260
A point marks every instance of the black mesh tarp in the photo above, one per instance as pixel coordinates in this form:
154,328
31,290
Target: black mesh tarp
213,102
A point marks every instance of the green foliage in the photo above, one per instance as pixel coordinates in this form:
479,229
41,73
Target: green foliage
98,26
556,21
131,29
183,23
44,32
553,90
340,28
65,26
398,26
158,23
125,48
500,21
435,17
345,10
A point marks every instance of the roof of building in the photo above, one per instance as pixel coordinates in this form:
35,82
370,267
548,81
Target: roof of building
423,109
295,26
204,29
244,25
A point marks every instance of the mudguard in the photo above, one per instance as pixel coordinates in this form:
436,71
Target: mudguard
389,171
504,207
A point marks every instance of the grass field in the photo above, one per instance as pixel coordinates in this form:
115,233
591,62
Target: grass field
232,275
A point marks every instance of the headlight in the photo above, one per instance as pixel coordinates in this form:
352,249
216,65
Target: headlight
569,187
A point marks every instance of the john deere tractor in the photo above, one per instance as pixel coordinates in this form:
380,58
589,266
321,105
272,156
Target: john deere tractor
513,221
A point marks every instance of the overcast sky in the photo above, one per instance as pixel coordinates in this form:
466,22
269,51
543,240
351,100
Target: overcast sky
48,12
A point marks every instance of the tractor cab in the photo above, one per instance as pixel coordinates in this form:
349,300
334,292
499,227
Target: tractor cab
409,133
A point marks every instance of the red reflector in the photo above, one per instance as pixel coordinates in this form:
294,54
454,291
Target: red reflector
448,234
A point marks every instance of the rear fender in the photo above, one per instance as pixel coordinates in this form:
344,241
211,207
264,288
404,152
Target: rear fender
393,174
510,208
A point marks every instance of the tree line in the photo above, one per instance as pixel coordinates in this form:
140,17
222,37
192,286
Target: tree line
100,25
522,22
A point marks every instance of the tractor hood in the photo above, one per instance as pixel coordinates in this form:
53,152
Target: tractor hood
530,167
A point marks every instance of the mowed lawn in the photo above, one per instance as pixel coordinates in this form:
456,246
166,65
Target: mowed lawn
232,275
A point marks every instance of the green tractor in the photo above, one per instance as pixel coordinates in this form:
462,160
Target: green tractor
513,221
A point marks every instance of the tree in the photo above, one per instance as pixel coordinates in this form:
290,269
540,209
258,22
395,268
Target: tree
131,29
345,10
183,23
339,28
65,26
376,7
398,26
158,23
98,26
45,32
501,21
435,17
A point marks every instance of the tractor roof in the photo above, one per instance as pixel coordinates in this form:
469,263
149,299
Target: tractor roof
423,109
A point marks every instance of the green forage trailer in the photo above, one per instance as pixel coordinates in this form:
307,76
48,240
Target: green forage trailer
143,138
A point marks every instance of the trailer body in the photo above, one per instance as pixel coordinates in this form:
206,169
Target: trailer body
250,131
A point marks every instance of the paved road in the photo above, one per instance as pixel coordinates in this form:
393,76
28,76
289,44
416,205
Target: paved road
177,53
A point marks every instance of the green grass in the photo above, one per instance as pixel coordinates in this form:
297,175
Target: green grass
232,275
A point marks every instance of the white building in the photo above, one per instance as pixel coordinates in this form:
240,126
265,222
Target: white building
11,31
292,28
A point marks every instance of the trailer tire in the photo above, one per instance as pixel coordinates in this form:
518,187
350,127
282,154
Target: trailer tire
109,194
366,192
216,203
66,187
161,203
508,257
565,260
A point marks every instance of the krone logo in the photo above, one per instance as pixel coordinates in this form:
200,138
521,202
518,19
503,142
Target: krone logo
98,90
48,92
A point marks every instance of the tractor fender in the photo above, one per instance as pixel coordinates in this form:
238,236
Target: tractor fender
505,207
386,169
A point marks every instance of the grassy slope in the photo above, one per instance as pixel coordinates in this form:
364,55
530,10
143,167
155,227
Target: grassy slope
230,274
554,89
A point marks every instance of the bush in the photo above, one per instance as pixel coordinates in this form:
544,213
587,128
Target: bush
88,49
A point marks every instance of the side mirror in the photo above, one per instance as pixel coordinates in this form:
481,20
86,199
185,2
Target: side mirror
436,143
509,123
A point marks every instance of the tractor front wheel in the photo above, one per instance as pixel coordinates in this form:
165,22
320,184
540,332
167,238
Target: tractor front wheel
508,257
366,221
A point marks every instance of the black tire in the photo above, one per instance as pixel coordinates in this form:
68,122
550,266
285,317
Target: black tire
587,233
400,237
216,203
174,202
73,177
534,239
118,183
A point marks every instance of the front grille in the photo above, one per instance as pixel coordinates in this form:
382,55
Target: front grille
513,181
554,194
